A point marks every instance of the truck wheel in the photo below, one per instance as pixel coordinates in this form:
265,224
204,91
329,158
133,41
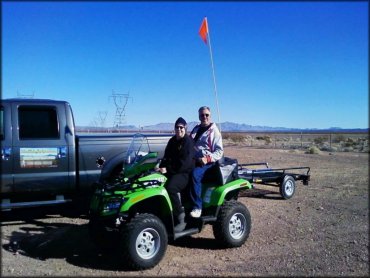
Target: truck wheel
233,224
287,187
143,242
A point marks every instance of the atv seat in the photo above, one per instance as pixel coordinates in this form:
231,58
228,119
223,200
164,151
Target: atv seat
223,171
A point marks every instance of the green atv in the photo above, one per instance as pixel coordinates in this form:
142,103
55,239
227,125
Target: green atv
133,208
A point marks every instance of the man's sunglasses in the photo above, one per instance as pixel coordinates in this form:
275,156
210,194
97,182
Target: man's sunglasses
203,115
179,127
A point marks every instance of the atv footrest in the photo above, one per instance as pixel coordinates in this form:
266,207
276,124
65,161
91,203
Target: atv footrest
201,221
207,219
186,232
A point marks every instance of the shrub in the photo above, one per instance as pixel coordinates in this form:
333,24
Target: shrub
364,149
339,138
313,150
327,148
266,138
320,140
349,142
234,137
348,149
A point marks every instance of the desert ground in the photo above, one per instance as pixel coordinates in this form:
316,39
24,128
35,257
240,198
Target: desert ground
323,230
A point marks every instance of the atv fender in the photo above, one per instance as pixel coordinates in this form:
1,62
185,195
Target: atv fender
146,197
111,166
215,196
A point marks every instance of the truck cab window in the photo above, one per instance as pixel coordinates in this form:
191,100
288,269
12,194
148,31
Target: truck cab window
38,122
2,123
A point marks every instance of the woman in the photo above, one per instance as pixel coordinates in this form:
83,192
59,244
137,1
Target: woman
177,164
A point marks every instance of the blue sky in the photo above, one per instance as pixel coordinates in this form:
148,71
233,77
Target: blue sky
279,64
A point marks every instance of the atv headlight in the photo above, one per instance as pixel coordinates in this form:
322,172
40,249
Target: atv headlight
112,204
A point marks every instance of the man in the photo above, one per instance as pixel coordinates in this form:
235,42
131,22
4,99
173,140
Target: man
208,149
177,164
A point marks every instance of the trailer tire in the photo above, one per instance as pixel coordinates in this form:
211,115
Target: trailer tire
233,224
287,187
143,242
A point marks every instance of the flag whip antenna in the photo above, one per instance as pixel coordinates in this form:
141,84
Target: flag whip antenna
212,65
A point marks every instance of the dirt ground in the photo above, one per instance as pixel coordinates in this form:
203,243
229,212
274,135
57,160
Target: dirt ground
322,231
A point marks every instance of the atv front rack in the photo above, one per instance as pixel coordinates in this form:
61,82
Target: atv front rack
110,187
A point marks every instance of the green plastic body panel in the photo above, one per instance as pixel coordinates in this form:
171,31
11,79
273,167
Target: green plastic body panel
215,195
142,195
139,166
134,195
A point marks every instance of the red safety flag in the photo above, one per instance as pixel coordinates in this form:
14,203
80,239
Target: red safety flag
203,31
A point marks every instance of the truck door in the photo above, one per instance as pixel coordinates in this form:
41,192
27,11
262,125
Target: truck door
40,149
6,149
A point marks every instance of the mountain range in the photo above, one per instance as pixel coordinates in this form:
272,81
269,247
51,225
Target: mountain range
235,127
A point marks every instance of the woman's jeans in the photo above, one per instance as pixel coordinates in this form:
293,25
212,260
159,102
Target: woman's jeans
174,185
196,189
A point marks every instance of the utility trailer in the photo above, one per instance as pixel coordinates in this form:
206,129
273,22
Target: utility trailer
285,178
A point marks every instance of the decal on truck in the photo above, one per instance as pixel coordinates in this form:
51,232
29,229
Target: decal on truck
38,157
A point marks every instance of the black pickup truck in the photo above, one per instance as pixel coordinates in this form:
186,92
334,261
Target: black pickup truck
44,161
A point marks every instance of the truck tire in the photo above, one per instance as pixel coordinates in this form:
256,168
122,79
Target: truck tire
143,242
287,187
233,224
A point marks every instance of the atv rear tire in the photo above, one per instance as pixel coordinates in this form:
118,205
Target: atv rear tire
233,224
143,242
287,187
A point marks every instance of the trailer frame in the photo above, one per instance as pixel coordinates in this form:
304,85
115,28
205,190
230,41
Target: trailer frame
282,177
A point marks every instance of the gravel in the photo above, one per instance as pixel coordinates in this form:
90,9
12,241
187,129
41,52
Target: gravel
323,230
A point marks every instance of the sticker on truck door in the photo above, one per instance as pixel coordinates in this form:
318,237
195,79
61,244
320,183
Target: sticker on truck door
38,157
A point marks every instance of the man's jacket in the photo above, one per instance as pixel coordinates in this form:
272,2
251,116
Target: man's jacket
209,144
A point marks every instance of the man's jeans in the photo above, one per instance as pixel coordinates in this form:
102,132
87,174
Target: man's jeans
196,189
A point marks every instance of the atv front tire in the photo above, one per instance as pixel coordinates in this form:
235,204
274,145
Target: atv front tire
233,224
143,242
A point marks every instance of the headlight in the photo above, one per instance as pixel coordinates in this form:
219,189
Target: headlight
112,204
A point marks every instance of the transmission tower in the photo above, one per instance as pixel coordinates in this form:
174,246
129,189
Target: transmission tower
102,116
120,101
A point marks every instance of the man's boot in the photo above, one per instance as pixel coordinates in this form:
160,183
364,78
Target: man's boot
182,224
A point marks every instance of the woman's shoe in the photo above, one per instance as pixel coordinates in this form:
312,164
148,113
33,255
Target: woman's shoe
182,224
